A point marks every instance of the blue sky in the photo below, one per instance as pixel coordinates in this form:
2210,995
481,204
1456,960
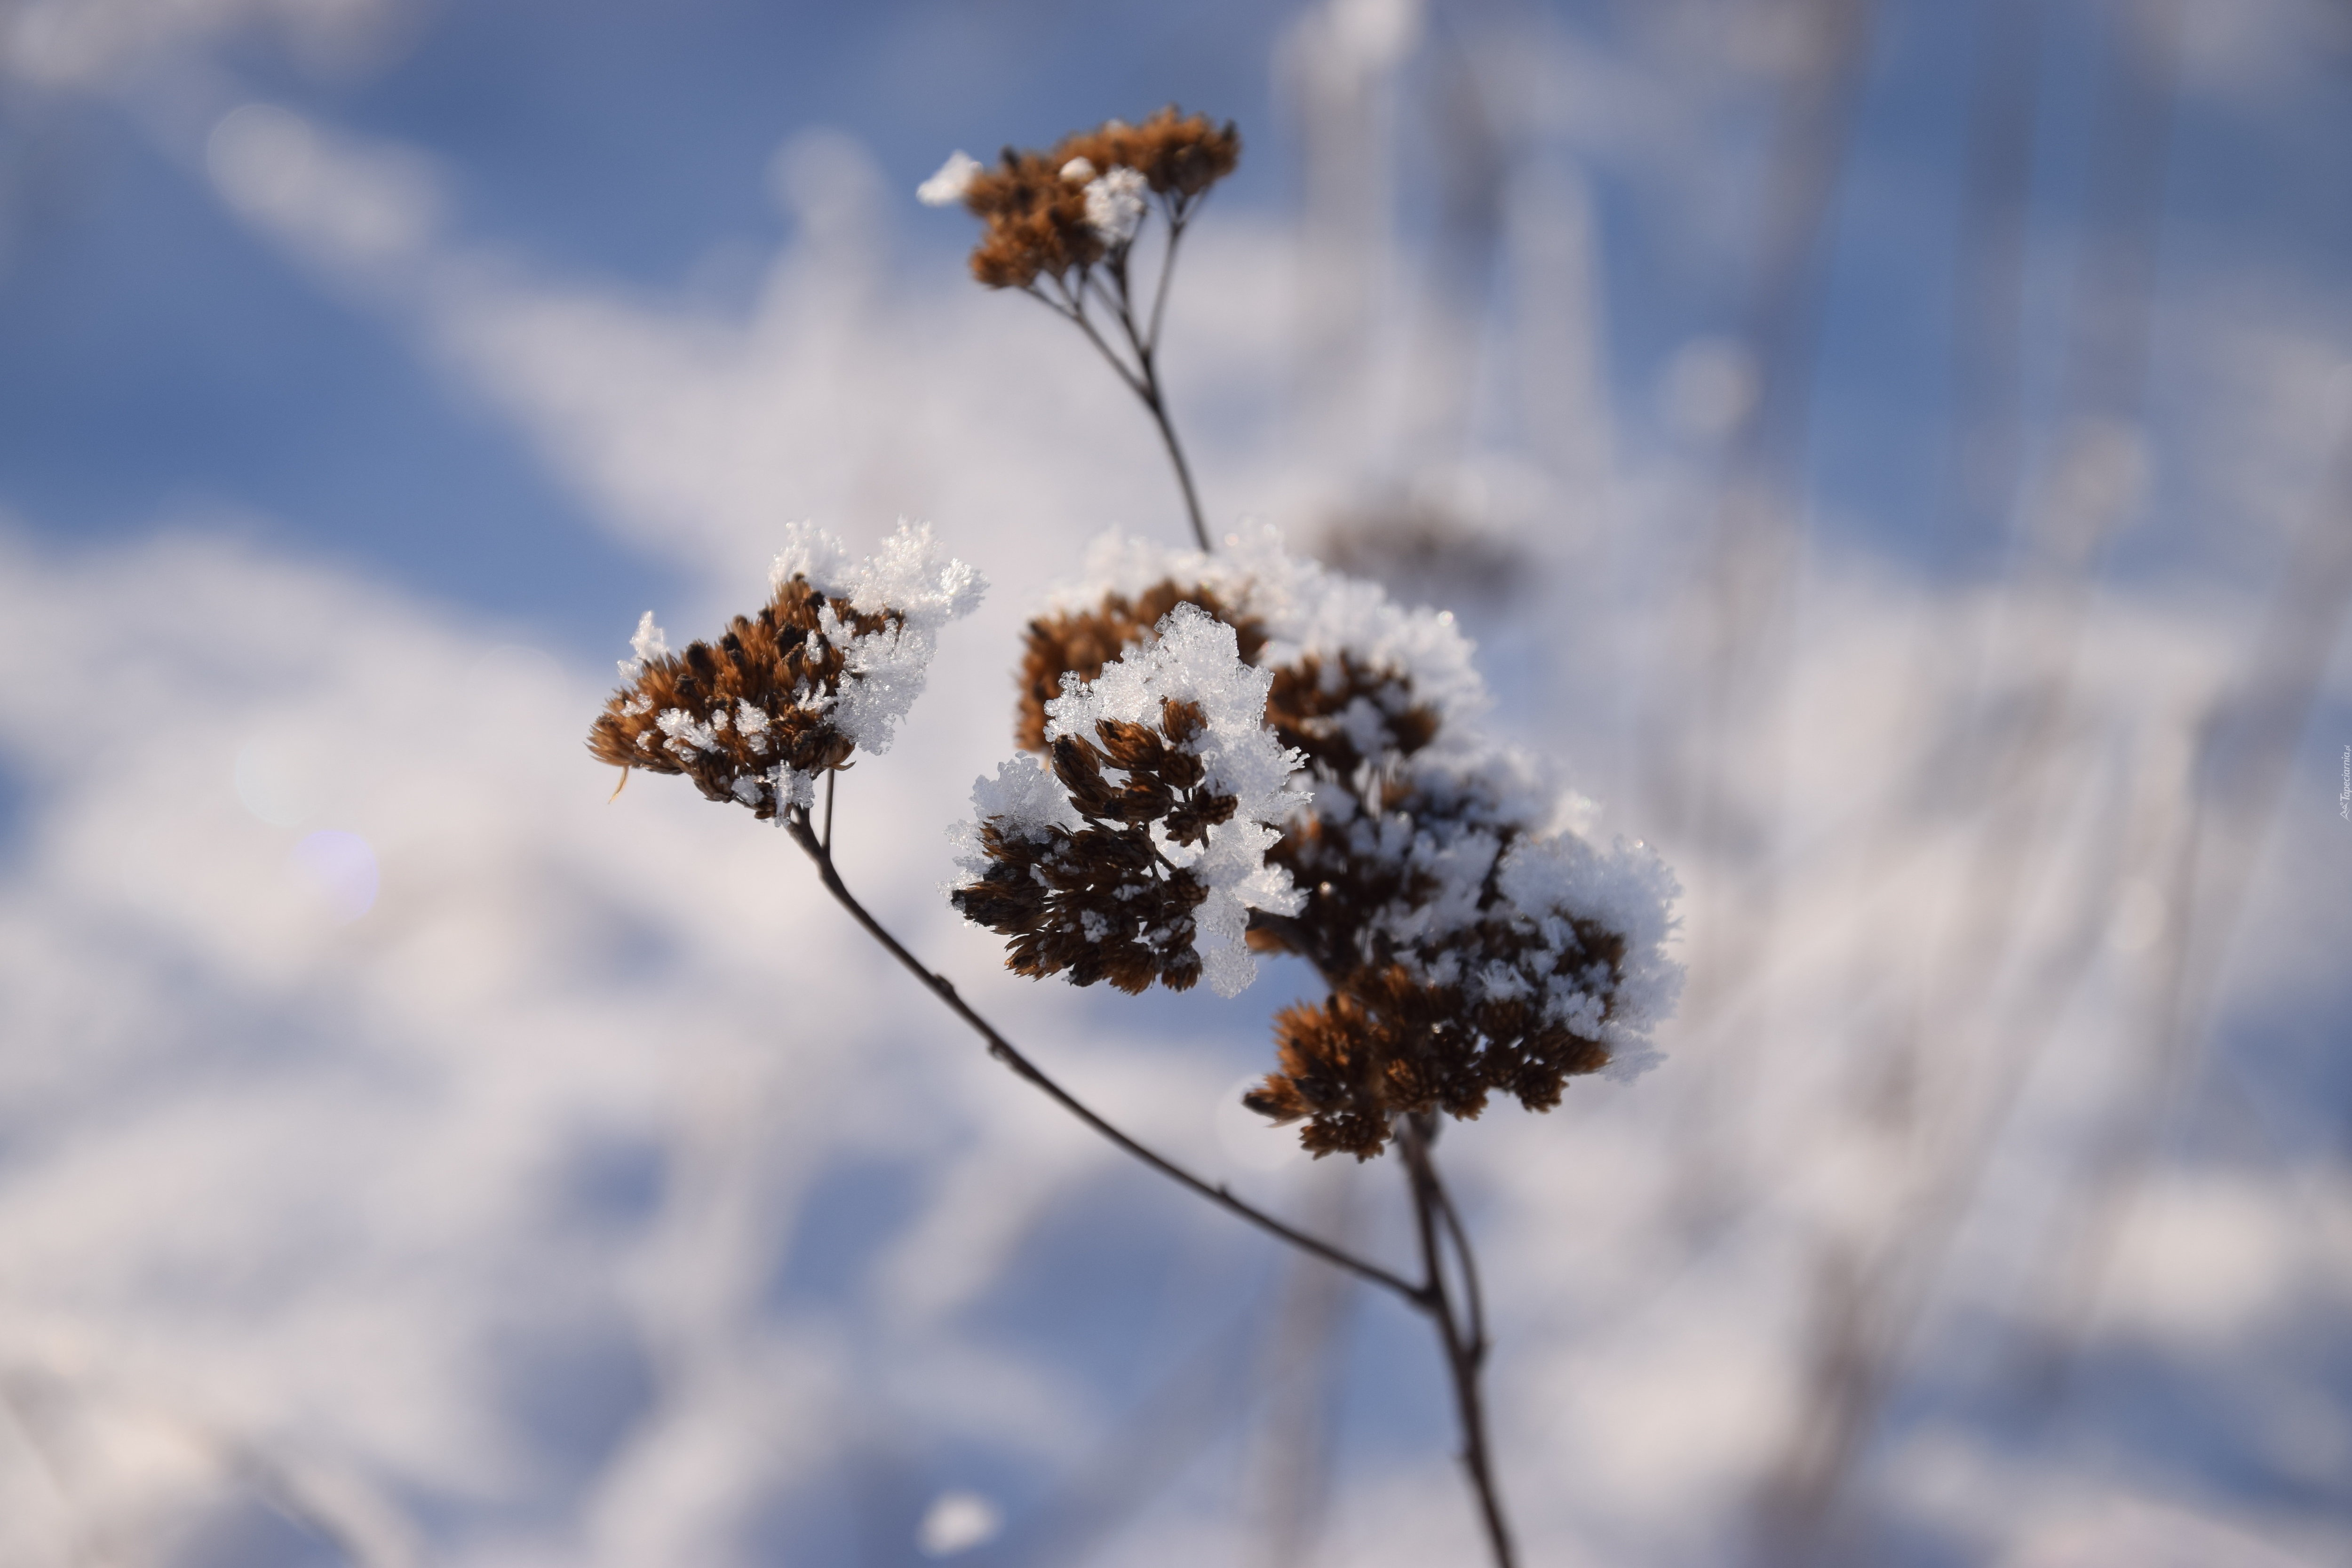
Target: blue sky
631,144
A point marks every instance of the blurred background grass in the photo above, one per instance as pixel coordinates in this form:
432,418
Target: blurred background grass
1892,455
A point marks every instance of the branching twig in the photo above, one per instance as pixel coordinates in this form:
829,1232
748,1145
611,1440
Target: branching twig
1146,346
1142,378
1073,308
1464,1347
1464,1342
1004,1050
1176,217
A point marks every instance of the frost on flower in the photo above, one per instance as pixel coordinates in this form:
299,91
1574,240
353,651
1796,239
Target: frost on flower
826,668
946,187
650,643
1135,850
905,587
1114,203
1468,951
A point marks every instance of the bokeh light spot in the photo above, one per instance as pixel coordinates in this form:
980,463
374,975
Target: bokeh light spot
957,1522
340,869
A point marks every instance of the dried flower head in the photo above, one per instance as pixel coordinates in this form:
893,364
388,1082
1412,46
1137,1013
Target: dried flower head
1387,1043
1037,222
1136,850
827,666
1050,213
1467,952
1071,647
1493,961
1177,154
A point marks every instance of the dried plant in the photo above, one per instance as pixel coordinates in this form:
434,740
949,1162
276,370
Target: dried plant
784,698
1122,879
1062,226
1220,755
1467,952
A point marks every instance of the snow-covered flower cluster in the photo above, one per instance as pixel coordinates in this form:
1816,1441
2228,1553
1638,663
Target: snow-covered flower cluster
1468,947
828,667
1135,850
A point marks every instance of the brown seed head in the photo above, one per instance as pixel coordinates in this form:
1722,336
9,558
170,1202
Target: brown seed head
727,714
1036,216
1175,153
1036,221
1386,1043
1414,1022
1447,1018
1103,902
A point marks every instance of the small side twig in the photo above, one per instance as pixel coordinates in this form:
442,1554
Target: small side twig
1178,212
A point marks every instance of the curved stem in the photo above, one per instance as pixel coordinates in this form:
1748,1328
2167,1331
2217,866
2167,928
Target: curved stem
1465,1348
1463,1343
797,823
1175,455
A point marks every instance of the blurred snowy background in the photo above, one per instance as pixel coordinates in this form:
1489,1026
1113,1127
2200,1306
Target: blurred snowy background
1895,456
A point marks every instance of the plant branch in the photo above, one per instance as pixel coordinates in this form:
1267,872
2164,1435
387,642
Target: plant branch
1167,270
1461,1235
1072,308
1115,268
1143,379
1151,400
797,823
1463,1348
1149,392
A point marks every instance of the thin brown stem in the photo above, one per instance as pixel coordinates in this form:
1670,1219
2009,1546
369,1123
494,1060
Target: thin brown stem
1176,217
1151,400
1114,267
797,823
1145,348
1469,1262
1072,308
1465,1347
1464,1344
